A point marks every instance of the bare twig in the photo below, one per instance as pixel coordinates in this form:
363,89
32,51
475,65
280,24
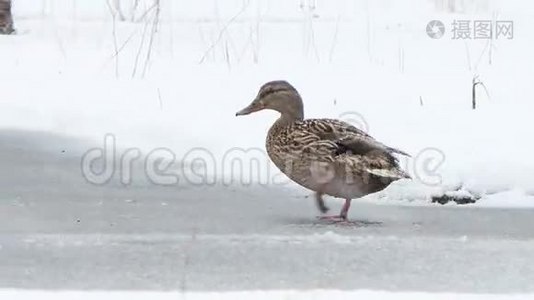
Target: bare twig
223,31
139,50
124,44
160,100
476,81
60,43
309,30
134,10
114,33
369,33
227,54
492,46
143,16
401,57
121,47
489,47
334,40
118,9
244,50
155,23
473,92
171,29
256,45
482,54
468,55
490,51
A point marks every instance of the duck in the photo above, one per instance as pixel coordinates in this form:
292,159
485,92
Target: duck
327,156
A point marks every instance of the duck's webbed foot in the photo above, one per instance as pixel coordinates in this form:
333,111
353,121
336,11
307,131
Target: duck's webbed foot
332,218
320,203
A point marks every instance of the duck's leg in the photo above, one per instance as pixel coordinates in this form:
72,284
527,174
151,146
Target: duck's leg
342,217
320,202
323,208
345,209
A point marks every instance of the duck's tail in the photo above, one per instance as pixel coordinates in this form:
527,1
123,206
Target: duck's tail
394,173
397,151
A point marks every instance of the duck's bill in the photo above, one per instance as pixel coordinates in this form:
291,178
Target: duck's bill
253,107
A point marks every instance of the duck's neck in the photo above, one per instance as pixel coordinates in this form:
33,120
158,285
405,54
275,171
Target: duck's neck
290,107
289,118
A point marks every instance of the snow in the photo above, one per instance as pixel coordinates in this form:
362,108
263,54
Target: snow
175,105
366,62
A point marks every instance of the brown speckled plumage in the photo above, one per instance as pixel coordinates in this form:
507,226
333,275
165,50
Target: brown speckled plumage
325,155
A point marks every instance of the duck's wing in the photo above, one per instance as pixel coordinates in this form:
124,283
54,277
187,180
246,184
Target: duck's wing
302,141
340,142
348,138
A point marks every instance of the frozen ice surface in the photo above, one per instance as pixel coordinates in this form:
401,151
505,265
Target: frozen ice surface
59,232
260,295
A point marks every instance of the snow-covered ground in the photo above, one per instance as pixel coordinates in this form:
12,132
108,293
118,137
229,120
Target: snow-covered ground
64,88
372,64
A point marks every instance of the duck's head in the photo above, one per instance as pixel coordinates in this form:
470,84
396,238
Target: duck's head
280,96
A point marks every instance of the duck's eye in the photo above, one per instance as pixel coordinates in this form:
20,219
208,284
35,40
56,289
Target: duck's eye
268,91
